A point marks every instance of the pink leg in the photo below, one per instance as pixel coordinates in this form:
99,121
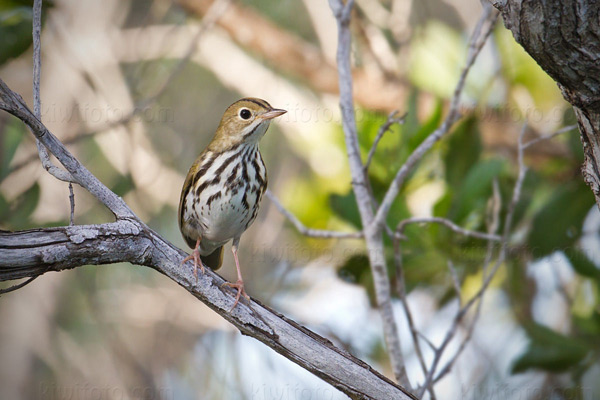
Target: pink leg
239,285
196,257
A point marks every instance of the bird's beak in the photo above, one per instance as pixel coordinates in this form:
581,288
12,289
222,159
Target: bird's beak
272,113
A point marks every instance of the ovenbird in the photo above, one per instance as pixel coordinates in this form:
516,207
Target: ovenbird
224,187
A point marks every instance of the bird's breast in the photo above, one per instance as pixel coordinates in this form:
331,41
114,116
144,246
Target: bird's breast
223,202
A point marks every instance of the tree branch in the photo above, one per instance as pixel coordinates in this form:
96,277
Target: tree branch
15,105
446,222
477,299
32,253
563,37
373,237
37,67
392,119
300,227
213,13
476,44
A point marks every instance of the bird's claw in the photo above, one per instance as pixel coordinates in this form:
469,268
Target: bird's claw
239,285
195,255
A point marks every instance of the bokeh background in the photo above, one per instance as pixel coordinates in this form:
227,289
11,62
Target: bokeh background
136,88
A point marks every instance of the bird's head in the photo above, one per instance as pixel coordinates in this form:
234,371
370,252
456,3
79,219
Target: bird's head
245,121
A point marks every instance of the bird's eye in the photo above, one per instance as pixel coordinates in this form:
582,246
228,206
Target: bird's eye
245,113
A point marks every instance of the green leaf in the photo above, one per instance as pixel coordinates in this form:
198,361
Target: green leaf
464,150
13,134
588,325
575,146
23,206
15,31
581,263
549,351
123,184
354,268
476,188
427,127
344,206
558,224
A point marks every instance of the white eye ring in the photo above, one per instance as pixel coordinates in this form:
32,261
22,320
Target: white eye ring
245,114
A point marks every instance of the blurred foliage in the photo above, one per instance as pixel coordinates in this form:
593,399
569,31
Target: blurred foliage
16,17
550,351
455,179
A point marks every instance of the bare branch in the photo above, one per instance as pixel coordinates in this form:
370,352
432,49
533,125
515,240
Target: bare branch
72,203
477,298
477,41
213,14
493,225
401,290
31,253
446,222
549,136
37,67
455,280
392,119
373,237
15,105
300,227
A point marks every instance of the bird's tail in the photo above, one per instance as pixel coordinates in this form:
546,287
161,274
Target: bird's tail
214,260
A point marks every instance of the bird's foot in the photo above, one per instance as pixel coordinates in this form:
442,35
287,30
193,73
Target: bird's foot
195,255
239,285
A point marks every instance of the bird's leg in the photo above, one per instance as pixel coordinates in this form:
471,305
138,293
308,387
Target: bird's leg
239,285
196,257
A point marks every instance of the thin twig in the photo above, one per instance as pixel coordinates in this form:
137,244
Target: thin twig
15,105
72,203
455,280
18,286
549,136
476,44
300,227
213,14
478,297
37,108
401,290
493,226
446,222
392,119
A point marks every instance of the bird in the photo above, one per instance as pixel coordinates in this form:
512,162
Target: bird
224,187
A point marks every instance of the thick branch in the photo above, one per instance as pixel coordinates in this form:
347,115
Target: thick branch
563,36
31,253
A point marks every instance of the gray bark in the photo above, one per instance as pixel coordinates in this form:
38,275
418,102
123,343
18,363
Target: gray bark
34,252
563,36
